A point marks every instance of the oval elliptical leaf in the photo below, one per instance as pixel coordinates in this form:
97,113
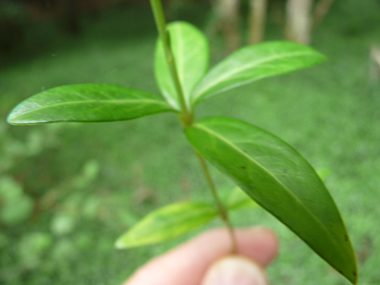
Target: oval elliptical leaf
191,53
252,63
167,222
281,181
87,103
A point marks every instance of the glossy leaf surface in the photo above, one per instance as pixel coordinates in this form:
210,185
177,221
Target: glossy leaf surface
255,62
281,181
166,223
87,103
191,52
238,199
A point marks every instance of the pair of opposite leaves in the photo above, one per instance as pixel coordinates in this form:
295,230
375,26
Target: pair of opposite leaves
266,168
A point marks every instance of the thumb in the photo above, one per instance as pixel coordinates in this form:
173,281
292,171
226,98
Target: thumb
235,270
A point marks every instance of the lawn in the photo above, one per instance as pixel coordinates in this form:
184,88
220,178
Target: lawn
91,182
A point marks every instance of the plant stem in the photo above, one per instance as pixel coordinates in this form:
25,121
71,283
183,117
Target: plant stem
222,210
186,116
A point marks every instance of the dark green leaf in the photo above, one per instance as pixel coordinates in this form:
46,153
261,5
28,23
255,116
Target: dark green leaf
87,103
191,54
281,181
166,223
255,62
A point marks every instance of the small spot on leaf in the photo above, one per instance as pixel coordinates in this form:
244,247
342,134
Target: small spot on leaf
243,167
354,273
345,237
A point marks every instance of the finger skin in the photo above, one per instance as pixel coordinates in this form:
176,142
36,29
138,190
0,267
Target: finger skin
236,270
187,263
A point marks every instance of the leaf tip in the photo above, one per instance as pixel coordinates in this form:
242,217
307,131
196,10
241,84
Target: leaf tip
119,244
320,56
356,277
11,119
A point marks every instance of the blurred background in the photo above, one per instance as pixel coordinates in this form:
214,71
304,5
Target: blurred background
67,191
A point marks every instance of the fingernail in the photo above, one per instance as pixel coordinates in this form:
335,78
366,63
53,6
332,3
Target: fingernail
235,270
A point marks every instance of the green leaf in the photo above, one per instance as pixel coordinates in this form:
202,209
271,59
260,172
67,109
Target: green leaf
166,223
87,103
281,181
238,199
191,53
252,63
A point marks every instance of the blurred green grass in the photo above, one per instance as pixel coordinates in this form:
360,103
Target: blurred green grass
329,113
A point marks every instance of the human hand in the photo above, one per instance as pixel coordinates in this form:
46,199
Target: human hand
206,260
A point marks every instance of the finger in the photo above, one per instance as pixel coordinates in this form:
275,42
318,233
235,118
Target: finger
234,270
187,263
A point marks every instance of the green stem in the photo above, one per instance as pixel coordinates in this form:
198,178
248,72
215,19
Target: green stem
186,116
222,210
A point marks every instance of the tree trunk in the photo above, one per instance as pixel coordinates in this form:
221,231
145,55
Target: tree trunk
321,9
257,18
227,12
374,72
298,21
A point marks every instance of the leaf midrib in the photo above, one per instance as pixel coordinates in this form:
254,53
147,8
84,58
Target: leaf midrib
139,101
275,178
227,74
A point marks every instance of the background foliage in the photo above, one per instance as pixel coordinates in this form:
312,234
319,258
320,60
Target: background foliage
67,191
